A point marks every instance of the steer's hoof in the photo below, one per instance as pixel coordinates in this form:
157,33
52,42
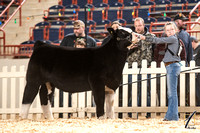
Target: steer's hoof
102,117
110,117
51,118
48,117
21,118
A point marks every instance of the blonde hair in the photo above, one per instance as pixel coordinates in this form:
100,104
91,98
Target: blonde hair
139,19
78,24
173,24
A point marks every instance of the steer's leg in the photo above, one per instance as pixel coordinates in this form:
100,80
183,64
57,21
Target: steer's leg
30,92
98,89
109,98
46,93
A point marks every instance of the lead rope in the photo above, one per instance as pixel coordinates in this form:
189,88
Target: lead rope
157,76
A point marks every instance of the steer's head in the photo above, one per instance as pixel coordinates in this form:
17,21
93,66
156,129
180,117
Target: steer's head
123,36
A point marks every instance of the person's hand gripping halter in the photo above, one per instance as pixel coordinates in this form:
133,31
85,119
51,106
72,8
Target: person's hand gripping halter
135,39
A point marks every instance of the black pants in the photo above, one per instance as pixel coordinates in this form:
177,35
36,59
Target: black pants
197,89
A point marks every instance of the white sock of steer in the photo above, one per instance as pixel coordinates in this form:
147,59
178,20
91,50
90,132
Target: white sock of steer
47,111
24,111
109,98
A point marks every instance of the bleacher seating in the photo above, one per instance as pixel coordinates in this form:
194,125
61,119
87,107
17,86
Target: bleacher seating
6,2
132,4
104,12
193,1
183,4
128,1
180,1
5,15
28,42
66,2
54,12
157,11
55,31
97,2
146,3
115,3
72,6
143,13
81,3
39,34
113,14
6,9
128,15
149,20
69,24
69,15
162,2
116,15
32,42
81,16
97,17
164,19
111,2
101,5
40,31
25,49
68,30
59,12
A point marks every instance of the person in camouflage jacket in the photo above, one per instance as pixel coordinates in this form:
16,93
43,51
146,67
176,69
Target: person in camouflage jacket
142,49
139,50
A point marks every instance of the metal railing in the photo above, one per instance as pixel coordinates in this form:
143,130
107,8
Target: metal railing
193,11
15,51
24,50
2,38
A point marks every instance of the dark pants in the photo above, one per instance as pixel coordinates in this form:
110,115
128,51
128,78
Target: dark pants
61,102
139,86
197,89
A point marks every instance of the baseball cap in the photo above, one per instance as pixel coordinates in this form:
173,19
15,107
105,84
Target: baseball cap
78,24
192,38
180,16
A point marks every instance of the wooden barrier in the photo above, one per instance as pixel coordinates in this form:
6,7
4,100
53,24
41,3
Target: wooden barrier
12,83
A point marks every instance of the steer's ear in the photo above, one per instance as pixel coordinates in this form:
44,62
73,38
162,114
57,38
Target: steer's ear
111,31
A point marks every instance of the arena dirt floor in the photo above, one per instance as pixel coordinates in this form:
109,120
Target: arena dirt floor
94,125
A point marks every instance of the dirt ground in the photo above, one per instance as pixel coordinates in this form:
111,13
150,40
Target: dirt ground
94,125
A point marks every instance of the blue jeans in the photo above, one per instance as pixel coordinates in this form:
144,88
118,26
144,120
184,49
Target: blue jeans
173,71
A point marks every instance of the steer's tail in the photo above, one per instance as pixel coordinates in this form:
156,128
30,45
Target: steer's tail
38,44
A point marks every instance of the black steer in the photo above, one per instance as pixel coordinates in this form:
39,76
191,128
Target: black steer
72,70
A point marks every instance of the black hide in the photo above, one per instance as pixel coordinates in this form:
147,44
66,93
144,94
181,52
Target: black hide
76,70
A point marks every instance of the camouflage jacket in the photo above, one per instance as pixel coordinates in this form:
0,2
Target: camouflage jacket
143,51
